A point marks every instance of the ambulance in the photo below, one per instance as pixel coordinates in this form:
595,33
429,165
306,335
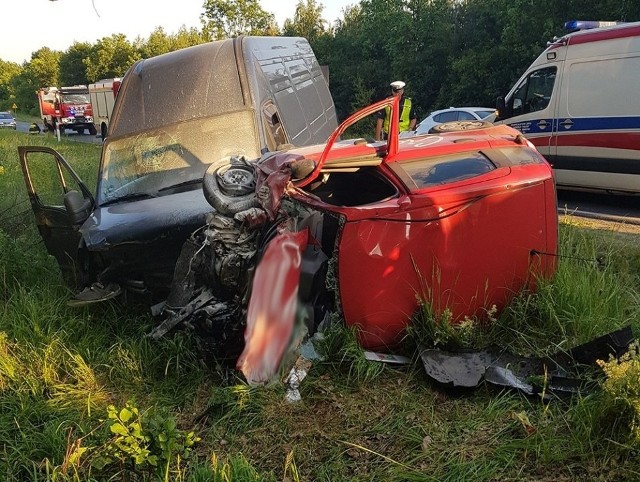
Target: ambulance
579,104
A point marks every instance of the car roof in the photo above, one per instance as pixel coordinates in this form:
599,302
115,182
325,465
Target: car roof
462,108
357,153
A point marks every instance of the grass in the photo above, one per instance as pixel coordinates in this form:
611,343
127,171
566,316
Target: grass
61,368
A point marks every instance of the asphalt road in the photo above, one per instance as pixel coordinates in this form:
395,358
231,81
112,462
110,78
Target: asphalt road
24,127
608,207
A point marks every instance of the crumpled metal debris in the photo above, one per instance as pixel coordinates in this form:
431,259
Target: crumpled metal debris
295,377
387,358
564,372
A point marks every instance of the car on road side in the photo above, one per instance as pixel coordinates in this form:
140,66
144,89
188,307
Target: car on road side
486,114
360,231
7,121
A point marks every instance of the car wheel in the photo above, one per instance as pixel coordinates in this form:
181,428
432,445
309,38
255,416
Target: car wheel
229,185
92,130
456,126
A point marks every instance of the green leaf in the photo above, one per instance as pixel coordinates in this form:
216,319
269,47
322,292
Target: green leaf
119,429
125,415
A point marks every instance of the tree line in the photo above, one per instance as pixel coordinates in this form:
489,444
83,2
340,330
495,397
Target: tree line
449,52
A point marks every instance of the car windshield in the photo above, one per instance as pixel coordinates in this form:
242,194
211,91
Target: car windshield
154,160
75,98
5,115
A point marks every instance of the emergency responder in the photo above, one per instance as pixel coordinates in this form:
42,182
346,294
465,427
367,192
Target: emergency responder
408,117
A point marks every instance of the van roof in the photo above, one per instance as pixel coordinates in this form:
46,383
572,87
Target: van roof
631,29
194,82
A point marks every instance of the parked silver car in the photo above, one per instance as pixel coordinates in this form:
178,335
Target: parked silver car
7,121
486,114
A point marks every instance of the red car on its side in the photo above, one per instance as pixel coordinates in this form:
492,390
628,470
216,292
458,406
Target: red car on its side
462,219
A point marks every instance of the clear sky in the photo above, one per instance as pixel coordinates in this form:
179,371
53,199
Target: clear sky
28,25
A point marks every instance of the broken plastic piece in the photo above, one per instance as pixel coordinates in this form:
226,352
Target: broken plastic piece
95,293
564,372
387,358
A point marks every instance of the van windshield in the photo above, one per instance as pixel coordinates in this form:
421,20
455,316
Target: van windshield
149,162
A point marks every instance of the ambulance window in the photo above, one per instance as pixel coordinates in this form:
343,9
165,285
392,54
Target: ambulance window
535,91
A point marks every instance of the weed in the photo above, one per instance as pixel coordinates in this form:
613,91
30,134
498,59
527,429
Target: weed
622,387
152,442
340,343
428,329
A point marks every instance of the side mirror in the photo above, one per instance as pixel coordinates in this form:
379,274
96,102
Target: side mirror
501,108
78,207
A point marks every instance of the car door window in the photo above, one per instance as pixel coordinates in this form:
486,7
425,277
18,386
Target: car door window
446,116
534,93
435,171
462,115
49,179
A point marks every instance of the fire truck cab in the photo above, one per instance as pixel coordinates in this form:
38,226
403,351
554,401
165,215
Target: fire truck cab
66,108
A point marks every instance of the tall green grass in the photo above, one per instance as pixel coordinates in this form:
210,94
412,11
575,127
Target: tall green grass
61,368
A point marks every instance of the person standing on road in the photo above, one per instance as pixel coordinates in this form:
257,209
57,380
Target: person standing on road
408,118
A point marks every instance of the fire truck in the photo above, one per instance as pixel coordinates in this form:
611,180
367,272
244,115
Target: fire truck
66,108
103,95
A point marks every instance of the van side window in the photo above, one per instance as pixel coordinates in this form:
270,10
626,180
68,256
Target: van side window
535,92
274,130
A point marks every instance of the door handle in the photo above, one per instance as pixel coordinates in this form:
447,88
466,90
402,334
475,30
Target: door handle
567,123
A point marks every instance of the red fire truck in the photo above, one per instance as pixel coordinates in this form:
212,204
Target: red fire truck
103,96
66,108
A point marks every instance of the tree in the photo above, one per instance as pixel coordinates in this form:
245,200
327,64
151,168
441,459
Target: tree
230,18
8,70
158,43
307,21
44,67
111,57
73,70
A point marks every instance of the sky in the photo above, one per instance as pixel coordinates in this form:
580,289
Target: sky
29,25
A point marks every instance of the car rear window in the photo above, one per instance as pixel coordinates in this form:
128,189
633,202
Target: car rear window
435,171
485,113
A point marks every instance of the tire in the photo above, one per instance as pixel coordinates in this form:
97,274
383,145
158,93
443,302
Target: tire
457,126
92,130
229,186
103,131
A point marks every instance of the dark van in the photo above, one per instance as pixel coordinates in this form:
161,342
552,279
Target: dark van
174,116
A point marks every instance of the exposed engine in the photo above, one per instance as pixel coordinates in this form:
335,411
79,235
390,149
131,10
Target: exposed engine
213,276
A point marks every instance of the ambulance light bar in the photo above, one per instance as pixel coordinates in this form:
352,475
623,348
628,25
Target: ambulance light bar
575,25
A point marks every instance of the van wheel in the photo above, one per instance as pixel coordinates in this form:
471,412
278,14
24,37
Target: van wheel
103,131
229,185
457,126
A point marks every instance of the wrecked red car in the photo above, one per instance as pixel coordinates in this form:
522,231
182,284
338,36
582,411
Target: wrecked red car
463,220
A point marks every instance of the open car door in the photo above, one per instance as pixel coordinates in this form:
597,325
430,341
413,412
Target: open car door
61,203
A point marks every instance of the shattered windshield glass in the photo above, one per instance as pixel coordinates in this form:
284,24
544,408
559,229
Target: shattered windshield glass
154,160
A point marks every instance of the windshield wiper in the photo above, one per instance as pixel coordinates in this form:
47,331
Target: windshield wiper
181,184
129,197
